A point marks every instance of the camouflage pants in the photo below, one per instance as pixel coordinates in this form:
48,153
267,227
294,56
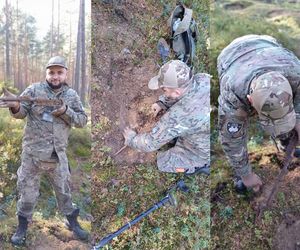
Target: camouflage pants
29,174
174,159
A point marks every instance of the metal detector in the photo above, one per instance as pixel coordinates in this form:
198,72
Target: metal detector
168,199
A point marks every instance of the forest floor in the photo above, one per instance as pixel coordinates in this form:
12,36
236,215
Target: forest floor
233,215
124,60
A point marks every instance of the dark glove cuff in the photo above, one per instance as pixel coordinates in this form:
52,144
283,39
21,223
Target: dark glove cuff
162,105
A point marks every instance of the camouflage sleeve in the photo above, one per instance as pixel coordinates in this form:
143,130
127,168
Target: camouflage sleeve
233,128
163,132
74,115
24,106
297,104
165,102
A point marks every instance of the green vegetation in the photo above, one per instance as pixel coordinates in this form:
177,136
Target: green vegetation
232,214
123,198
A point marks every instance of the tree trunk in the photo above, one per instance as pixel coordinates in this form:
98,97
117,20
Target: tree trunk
7,42
83,63
52,30
26,58
17,82
71,68
58,24
78,54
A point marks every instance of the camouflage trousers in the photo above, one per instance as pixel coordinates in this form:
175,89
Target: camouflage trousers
177,159
29,175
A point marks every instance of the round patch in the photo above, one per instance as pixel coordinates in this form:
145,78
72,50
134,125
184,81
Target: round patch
233,127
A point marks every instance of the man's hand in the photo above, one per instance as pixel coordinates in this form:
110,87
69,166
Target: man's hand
155,109
128,134
252,181
15,106
60,111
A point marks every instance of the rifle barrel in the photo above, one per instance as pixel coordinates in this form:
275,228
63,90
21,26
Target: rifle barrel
37,100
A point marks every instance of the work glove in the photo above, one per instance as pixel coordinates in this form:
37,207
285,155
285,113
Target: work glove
252,181
14,105
155,108
60,110
128,134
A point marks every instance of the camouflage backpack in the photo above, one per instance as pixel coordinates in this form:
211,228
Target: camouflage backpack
184,33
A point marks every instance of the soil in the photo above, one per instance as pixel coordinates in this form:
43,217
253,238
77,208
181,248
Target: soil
279,227
237,5
288,236
271,163
123,96
281,12
49,236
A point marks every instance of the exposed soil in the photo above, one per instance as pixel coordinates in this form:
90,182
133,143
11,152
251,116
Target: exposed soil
49,236
288,236
281,12
124,97
237,5
271,163
278,220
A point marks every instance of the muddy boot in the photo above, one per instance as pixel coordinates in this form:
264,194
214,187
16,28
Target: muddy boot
239,186
19,236
74,226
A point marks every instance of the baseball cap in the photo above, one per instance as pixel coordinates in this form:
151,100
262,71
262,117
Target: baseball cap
173,74
57,61
272,97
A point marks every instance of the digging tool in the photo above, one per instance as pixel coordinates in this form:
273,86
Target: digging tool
168,199
287,160
120,150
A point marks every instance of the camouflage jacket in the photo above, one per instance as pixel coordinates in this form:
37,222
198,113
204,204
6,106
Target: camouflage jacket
239,63
188,120
45,133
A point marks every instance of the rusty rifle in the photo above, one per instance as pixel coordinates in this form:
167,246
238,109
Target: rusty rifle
36,100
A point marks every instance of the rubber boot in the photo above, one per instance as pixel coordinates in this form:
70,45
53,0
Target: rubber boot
74,226
19,236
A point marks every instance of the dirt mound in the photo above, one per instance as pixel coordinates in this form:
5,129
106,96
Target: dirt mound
288,235
282,12
48,235
237,5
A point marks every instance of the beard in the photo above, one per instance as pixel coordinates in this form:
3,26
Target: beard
52,86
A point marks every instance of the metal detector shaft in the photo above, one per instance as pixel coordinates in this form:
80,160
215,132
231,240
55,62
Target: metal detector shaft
108,238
